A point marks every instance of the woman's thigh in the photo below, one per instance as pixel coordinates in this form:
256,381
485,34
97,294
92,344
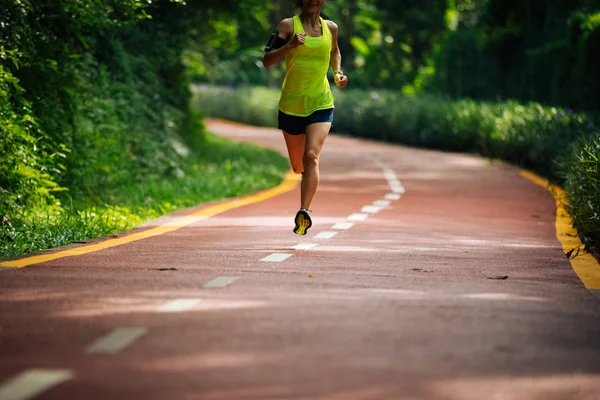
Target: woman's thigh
316,134
295,147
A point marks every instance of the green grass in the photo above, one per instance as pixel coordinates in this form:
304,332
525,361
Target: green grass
222,169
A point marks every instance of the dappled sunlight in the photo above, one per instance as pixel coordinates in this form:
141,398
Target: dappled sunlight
449,242
502,243
199,361
356,189
362,294
19,295
555,386
220,221
425,175
504,296
250,221
403,249
349,249
563,387
148,304
308,392
352,175
108,307
464,161
401,293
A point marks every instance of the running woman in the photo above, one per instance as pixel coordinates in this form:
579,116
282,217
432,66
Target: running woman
310,45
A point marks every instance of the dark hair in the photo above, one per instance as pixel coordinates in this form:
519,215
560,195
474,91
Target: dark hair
298,3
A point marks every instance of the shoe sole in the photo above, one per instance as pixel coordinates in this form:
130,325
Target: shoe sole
302,224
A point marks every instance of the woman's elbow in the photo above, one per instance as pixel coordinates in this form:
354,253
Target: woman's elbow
267,63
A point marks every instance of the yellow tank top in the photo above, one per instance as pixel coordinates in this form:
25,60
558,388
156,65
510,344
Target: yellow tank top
305,87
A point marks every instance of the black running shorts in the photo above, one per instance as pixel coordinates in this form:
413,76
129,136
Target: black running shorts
297,125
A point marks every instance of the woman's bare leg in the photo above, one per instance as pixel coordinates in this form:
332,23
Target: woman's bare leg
295,147
315,138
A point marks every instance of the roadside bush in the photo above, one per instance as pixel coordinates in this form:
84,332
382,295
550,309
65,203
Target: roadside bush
96,132
582,184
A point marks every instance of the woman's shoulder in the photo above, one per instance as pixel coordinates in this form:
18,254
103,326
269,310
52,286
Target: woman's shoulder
331,25
286,25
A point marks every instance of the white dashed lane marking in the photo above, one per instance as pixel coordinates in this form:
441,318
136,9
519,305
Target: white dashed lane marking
179,305
32,382
304,246
276,257
389,174
392,196
343,225
325,235
220,282
381,203
116,340
370,209
358,217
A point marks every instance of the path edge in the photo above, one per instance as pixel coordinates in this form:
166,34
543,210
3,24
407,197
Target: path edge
290,181
584,264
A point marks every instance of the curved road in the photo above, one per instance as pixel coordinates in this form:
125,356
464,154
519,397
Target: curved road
426,275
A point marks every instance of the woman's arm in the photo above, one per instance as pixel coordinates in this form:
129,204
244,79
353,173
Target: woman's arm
340,79
286,30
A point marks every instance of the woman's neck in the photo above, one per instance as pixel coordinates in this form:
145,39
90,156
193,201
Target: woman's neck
310,19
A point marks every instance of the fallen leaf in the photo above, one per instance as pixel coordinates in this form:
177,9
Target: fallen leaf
311,276
569,253
498,278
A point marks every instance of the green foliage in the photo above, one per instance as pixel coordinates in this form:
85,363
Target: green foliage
221,169
582,183
26,165
463,67
523,50
95,115
253,105
97,97
531,136
483,49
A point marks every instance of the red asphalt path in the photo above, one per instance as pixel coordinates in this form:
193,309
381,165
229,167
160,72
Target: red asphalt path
399,306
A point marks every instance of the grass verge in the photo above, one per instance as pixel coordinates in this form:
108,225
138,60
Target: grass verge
221,169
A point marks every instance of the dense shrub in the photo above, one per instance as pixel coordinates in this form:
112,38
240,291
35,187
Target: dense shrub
531,136
523,50
94,95
582,183
27,164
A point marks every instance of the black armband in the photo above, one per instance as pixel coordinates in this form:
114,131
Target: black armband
275,41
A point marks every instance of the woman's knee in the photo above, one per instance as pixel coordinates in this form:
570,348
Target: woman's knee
298,169
310,158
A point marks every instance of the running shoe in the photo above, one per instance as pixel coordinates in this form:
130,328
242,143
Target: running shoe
303,222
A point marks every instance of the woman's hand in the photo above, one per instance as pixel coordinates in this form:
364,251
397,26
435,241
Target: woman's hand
297,40
340,80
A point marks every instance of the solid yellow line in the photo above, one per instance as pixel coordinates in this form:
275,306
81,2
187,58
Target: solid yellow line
290,181
585,265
